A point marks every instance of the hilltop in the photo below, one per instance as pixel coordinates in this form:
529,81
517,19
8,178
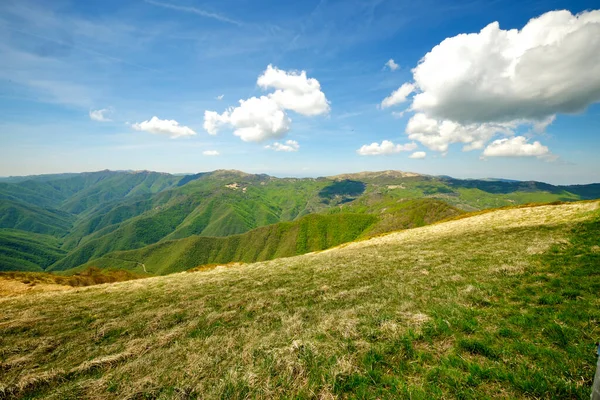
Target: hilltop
375,174
498,304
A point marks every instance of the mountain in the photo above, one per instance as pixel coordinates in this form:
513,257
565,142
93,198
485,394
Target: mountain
97,213
498,304
27,251
27,217
312,232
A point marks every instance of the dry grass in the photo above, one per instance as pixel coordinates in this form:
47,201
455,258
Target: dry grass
208,267
465,309
12,287
16,283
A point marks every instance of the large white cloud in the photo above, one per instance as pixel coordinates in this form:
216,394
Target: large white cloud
294,91
255,120
168,127
288,146
550,66
491,82
386,147
438,135
515,147
261,118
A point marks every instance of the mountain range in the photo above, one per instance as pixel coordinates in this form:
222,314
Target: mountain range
159,223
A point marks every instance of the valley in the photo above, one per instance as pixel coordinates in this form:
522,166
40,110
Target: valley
113,219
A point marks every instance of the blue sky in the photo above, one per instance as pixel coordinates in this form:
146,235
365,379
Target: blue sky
63,60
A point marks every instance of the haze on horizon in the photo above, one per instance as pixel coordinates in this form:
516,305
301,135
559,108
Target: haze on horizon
318,88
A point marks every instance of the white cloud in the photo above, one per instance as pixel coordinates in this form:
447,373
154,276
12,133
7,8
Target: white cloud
261,118
477,85
418,155
220,97
255,120
438,135
210,153
391,64
515,147
294,91
289,145
100,115
550,66
213,121
398,96
386,147
163,127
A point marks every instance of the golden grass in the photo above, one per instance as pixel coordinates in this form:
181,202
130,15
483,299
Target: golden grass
16,283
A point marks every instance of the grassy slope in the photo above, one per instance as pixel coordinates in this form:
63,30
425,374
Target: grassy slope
26,251
395,214
14,283
310,233
500,305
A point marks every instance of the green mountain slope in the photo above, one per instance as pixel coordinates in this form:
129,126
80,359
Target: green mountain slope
218,204
224,203
80,192
309,233
26,251
99,212
501,304
118,186
469,195
26,217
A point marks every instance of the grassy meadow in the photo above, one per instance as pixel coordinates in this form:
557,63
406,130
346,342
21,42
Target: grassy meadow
498,305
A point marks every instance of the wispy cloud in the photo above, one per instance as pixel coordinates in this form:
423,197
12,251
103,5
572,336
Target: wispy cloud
391,64
82,49
197,11
100,115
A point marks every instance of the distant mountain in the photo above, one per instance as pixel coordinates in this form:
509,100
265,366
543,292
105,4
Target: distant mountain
95,213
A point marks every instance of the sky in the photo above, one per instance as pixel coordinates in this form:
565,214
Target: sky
470,89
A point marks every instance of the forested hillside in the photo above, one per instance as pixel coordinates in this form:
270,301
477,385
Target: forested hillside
89,215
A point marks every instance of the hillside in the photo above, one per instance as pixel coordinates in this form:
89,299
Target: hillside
97,213
30,218
26,251
499,304
310,233
285,239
